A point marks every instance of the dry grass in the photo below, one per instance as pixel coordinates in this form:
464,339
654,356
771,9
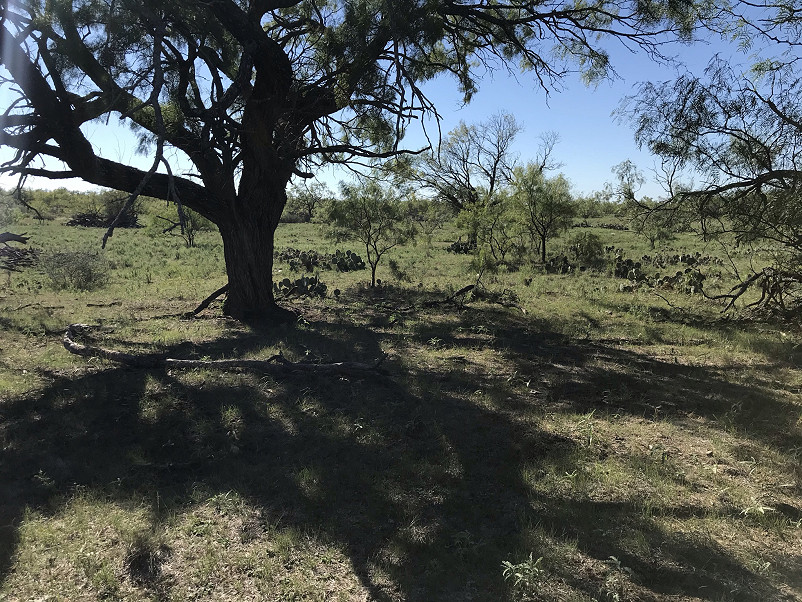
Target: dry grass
642,451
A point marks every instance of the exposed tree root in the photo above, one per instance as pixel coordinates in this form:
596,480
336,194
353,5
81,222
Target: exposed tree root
208,300
276,365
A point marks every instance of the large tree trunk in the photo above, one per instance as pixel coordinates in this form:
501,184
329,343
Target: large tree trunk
269,142
248,243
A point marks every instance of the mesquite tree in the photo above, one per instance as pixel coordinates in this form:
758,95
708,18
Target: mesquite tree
373,215
545,205
742,137
472,162
255,92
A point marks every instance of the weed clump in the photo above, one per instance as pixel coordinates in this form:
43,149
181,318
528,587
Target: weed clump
81,270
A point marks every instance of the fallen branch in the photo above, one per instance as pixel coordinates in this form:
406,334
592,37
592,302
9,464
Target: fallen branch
7,237
449,299
776,288
480,294
277,365
11,258
464,290
208,300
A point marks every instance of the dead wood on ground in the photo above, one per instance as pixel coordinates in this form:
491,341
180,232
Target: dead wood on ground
276,365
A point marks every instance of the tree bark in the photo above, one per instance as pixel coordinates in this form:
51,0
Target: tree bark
373,267
248,234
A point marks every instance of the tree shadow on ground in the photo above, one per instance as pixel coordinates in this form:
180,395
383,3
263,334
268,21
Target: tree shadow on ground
421,485
589,375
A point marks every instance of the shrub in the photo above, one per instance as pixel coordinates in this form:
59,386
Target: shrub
81,270
304,201
194,222
587,250
373,215
8,208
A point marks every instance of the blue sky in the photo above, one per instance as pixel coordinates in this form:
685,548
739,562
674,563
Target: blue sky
592,140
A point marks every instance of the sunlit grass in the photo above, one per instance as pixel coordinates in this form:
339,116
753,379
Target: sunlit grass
642,445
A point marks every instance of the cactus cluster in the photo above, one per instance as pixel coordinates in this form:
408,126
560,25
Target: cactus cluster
347,261
461,248
305,286
689,280
342,261
608,226
691,259
559,264
629,269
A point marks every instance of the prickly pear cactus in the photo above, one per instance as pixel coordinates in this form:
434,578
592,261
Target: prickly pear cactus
308,261
305,286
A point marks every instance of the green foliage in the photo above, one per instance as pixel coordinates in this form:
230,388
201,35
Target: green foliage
587,249
106,208
525,576
651,221
8,208
597,204
255,93
740,134
115,205
496,226
429,215
81,270
193,223
372,215
487,408
544,205
304,201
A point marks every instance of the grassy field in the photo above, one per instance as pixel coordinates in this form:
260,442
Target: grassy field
582,442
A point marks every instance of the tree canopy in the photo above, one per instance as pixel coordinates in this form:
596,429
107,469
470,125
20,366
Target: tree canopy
373,215
256,92
472,162
544,204
730,140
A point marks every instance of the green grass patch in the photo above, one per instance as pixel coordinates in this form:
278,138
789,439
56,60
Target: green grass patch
558,438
